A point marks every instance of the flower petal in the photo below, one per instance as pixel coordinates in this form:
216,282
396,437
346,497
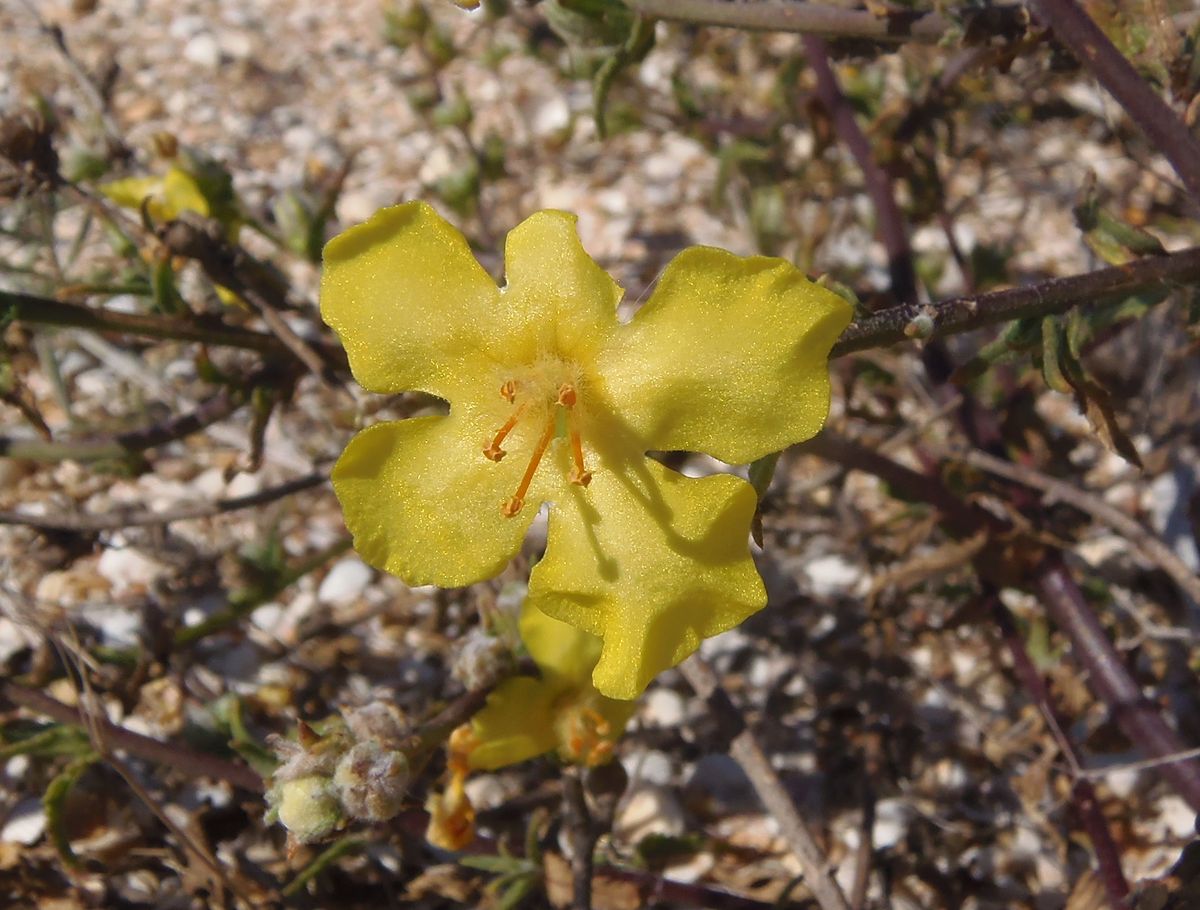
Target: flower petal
561,651
569,303
424,504
652,562
515,725
408,301
728,357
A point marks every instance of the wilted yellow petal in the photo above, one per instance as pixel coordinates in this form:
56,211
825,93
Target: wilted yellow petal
651,562
728,357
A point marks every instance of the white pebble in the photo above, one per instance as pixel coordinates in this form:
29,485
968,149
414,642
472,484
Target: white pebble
345,582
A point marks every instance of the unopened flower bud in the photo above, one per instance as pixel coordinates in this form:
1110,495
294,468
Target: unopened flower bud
308,808
371,781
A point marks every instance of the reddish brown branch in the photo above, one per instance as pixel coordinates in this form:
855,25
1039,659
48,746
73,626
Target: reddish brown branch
892,229
1165,130
195,764
964,314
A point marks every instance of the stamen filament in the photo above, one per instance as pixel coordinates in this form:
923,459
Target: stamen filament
514,504
493,451
579,475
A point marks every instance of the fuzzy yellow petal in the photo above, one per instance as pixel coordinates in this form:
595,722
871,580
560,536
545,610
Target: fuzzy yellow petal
564,654
652,563
423,503
517,724
568,302
409,302
728,357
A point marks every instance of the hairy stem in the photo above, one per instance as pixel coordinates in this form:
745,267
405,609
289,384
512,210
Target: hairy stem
196,764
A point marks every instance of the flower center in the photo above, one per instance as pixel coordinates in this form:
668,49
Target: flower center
553,407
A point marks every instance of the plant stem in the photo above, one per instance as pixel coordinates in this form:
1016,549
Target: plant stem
583,838
746,751
1083,794
1075,29
964,314
1110,679
892,229
35,310
196,764
123,518
895,27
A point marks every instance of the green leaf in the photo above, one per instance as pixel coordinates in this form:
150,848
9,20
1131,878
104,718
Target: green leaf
496,865
163,292
44,741
330,855
633,49
515,893
54,802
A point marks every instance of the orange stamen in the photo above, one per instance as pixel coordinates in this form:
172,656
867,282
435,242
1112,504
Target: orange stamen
566,395
579,475
516,502
493,451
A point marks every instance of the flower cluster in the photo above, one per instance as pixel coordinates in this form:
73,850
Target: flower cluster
558,711
553,400
353,768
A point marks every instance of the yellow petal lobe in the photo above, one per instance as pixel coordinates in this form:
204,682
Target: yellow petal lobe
412,307
728,357
424,504
568,303
651,562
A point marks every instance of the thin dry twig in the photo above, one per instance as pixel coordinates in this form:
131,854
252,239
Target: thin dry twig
128,518
895,27
182,758
892,228
965,314
1165,130
583,838
1147,543
746,751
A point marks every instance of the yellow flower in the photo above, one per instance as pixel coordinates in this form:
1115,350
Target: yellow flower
552,400
175,192
166,197
560,711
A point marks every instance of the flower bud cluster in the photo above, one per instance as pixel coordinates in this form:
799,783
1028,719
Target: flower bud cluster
353,769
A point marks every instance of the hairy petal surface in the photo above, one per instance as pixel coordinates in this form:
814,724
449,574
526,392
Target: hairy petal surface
651,562
728,357
423,503
569,301
408,300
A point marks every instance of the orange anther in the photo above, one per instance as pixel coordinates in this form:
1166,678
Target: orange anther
508,391
492,450
516,502
567,395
